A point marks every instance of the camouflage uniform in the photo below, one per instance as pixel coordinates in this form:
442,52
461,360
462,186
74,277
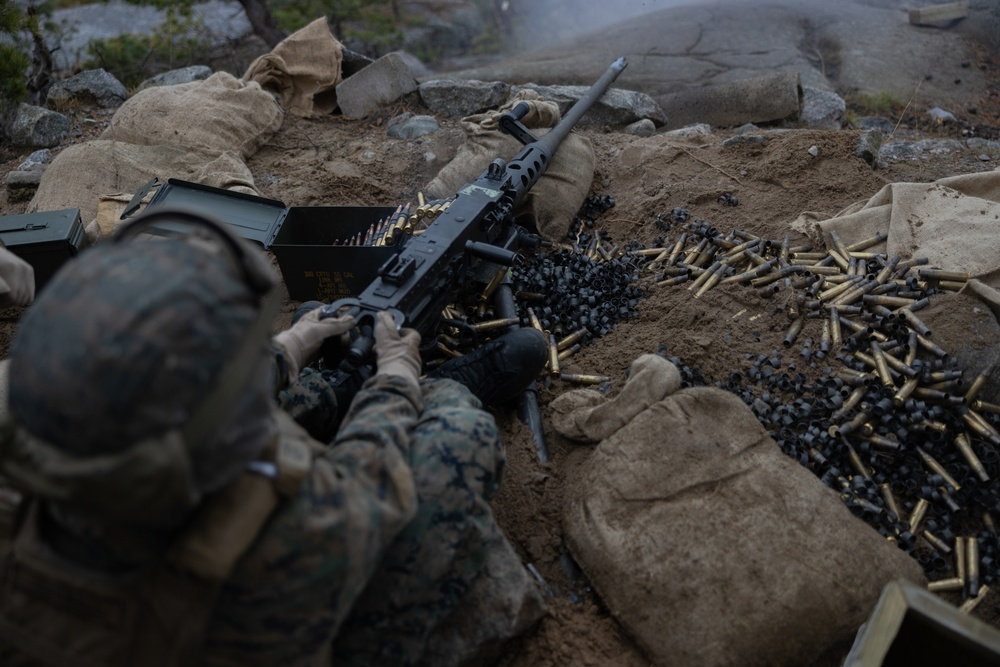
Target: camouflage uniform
452,449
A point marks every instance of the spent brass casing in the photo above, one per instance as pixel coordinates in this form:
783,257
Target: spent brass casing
856,462
824,339
988,522
890,301
678,247
836,337
936,466
983,406
834,292
919,510
553,356
934,349
881,366
860,424
530,296
981,427
971,567
937,542
938,274
695,252
444,349
851,402
887,270
978,384
704,277
946,585
937,396
493,284
960,559
969,605
899,365
890,500
915,322
868,243
950,286
793,332
490,325
577,378
911,353
839,260
533,318
676,280
573,338
882,442
964,446
569,351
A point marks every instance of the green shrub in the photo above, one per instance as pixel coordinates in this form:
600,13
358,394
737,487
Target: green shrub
14,62
132,59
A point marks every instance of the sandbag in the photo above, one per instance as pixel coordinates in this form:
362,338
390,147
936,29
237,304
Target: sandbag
81,174
303,70
220,113
712,547
556,198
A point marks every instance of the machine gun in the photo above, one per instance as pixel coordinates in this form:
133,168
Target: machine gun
477,229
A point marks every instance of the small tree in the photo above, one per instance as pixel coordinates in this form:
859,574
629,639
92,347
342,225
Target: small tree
14,62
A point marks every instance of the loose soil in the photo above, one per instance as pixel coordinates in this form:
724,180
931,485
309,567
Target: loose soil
333,161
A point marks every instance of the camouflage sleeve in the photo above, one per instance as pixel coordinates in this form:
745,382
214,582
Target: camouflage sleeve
291,591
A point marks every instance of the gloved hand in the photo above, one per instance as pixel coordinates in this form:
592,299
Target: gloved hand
397,352
17,280
303,340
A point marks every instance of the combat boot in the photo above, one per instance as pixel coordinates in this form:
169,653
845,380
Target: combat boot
501,369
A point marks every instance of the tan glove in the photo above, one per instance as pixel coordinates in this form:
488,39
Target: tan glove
304,339
17,280
397,352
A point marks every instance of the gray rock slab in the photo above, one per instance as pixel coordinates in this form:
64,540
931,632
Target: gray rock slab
866,45
641,128
21,185
37,161
178,76
38,127
455,98
381,83
776,96
696,130
883,125
616,107
93,86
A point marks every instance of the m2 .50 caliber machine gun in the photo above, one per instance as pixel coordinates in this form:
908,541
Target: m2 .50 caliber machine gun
478,227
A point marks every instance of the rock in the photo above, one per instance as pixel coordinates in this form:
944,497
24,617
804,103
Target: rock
353,62
814,151
746,128
883,125
37,161
696,130
940,116
868,146
417,68
641,128
455,99
21,185
924,149
414,127
774,97
94,86
38,127
986,146
744,139
822,109
616,106
176,76
383,82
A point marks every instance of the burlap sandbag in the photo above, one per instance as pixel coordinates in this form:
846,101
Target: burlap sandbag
952,222
554,201
81,174
711,546
303,70
220,113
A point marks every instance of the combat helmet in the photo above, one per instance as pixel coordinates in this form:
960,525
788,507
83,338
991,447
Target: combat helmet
141,378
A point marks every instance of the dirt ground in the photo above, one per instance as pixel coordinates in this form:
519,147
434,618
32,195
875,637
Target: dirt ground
339,162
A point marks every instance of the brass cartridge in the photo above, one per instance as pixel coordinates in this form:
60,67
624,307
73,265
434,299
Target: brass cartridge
919,510
981,427
964,446
533,318
969,605
793,332
915,322
573,338
946,585
983,406
838,245
935,466
890,500
553,356
678,247
853,399
972,567
676,280
444,349
978,384
569,351
856,462
881,366
490,325
839,260
882,442
938,274
890,301
936,542
960,559
931,347
584,379
868,243
835,335
950,286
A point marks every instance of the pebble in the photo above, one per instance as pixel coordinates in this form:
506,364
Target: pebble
814,151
